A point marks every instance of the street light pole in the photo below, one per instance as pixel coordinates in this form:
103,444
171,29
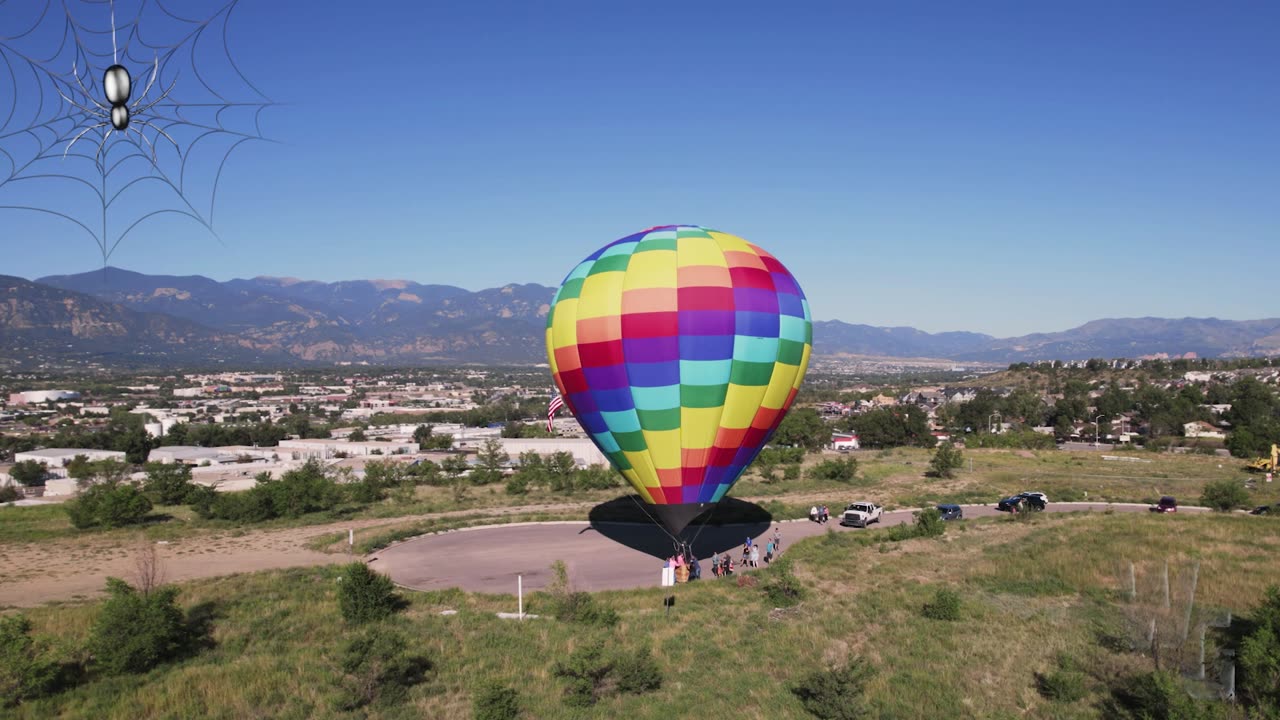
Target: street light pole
1095,429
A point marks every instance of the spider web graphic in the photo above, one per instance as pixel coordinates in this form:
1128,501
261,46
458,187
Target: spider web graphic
60,157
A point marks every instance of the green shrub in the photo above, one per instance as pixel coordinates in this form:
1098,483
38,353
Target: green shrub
1158,695
637,672
782,588
845,471
928,523
944,606
108,504
9,493
835,694
517,485
24,671
136,631
1260,656
379,669
1224,495
365,595
496,702
298,492
576,607
584,672
1065,686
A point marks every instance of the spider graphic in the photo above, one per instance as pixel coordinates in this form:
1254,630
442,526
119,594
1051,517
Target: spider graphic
87,147
118,115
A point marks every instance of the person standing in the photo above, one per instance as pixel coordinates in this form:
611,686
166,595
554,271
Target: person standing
813,514
715,564
755,556
768,552
777,539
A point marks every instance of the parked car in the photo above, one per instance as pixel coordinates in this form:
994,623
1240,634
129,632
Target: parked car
861,514
1166,505
1029,500
951,512
1265,510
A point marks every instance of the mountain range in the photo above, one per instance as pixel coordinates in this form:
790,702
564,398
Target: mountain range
119,316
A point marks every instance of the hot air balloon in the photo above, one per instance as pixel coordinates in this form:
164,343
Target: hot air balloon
679,350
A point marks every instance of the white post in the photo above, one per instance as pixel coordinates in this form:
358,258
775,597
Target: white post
520,594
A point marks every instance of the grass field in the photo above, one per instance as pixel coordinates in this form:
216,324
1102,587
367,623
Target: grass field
1031,590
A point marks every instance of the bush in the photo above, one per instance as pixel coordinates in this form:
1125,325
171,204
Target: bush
517,485
1224,495
637,672
835,694
9,493
135,632
946,461
585,672
845,470
576,607
782,588
1260,656
108,505
928,523
301,491
1063,686
365,595
496,702
1160,695
24,672
379,669
945,606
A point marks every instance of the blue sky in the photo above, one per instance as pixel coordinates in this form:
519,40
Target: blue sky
1001,167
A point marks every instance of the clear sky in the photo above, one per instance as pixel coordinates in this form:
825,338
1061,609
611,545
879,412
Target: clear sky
1001,167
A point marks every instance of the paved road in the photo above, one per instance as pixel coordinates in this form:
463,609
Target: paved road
604,557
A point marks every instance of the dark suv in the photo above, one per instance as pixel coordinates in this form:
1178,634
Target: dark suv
1166,505
951,512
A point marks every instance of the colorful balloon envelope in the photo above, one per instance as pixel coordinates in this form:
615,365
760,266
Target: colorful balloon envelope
679,350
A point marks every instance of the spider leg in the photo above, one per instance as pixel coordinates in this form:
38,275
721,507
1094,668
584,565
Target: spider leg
85,90
103,146
154,72
153,103
144,123
77,137
73,103
144,139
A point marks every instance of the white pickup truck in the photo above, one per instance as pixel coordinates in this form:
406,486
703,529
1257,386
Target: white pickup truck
861,514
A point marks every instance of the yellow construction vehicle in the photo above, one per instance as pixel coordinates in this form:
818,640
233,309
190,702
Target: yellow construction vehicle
1263,464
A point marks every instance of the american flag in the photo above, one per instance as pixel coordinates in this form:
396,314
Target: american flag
557,402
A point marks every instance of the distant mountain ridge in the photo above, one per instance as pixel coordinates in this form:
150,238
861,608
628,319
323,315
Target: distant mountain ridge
124,314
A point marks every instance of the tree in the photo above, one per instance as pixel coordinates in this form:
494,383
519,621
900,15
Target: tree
1224,495
946,461
168,483
28,473
492,457
844,470
357,435
365,595
134,631
892,427
802,427
25,671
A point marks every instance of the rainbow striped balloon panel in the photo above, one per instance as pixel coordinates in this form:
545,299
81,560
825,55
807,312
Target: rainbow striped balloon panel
679,350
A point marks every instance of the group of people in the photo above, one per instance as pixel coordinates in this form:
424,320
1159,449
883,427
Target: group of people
685,569
722,565
819,514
